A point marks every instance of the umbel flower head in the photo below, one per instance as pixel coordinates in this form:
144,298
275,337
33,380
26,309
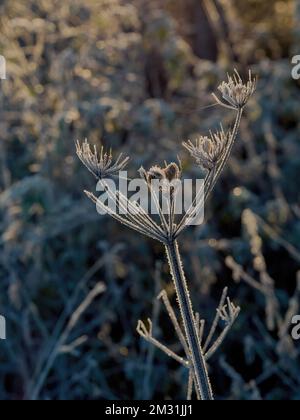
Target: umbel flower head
208,151
101,164
235,92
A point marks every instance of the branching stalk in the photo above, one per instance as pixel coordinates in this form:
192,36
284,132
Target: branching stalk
197,358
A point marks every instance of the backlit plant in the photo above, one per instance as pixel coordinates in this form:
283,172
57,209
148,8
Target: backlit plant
211,153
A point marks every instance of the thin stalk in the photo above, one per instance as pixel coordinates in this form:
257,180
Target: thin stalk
197,358
224,160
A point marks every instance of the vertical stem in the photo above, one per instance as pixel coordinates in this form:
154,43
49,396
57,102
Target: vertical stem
197,357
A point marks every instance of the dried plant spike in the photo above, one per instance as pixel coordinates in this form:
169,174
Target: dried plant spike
100,164
208,151
235,93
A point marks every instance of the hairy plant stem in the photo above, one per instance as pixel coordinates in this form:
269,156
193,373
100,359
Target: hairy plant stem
197,357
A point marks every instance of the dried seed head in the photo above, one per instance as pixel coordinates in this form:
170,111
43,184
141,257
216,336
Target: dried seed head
101,165
235,92
170,173
208,151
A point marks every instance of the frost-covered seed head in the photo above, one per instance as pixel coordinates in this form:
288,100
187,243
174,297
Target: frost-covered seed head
101,165
208,151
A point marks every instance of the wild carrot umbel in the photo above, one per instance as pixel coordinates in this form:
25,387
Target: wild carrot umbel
212,154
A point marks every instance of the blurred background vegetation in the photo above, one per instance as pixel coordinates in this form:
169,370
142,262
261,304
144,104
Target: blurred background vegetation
137,75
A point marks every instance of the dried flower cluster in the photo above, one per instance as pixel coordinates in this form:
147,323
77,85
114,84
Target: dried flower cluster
101,165
235,92
208,151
